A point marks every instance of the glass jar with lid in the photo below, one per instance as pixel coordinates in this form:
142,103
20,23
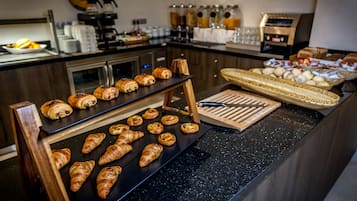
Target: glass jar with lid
232,17
191,16
203,16
216,16
173,9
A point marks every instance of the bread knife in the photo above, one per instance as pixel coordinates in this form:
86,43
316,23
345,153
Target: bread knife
221,104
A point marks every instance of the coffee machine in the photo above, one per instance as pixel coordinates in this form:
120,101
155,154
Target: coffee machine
102,17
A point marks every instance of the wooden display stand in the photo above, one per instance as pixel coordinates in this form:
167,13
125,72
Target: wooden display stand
33,145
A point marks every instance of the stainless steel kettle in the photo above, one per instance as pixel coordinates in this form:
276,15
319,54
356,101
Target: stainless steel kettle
92,7
109,6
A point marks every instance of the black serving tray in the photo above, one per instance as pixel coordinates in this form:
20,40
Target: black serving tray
102,107
132,175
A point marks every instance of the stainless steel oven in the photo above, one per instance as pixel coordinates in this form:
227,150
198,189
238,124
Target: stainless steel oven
85,75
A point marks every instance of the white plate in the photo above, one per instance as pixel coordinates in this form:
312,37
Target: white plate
24,50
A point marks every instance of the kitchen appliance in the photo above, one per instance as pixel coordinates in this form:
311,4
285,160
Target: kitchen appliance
285,33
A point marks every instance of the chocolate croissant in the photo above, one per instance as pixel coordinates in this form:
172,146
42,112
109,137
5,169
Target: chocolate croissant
129,136
145,80
61,157
79,173
92,141
127,85
82,100
150,153
162,73
106,93
106,178
56,109
114,152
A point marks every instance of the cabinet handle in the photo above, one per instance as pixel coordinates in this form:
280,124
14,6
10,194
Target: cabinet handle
110,75
182,55
215,61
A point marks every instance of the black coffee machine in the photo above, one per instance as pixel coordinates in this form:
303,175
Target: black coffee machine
102,17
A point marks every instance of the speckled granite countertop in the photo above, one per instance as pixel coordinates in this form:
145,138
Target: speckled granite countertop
226,163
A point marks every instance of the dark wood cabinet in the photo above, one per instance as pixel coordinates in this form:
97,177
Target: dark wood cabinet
36,84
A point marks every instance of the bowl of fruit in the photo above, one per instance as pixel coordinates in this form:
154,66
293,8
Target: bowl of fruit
24,45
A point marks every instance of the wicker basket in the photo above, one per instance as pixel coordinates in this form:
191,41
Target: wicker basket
284,90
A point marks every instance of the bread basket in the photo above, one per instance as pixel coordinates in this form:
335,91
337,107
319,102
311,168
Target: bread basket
284,90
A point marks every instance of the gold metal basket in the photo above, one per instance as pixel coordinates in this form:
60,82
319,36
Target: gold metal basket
284,90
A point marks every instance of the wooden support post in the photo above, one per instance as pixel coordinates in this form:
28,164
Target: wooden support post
35,155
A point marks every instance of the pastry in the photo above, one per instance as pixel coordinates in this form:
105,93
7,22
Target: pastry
135,120
145,80
169,119
56,109
150,153
61,157
155,128
106,178
189,128
162,73
106,93
79,172
82,100
118,129
167,139
151,113
129,136
127,85
114,152
92,141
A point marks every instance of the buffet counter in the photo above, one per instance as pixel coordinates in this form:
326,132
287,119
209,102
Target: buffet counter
292,154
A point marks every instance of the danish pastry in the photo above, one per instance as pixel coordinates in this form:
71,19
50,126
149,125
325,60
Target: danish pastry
106,93
127,85
92,141
114,152
189,128
56,109
151,113
79,173
169,119
82,100
155,128
129,136
145,80
150,153
118,129
106,178
61,157
162,73
167,139
135,120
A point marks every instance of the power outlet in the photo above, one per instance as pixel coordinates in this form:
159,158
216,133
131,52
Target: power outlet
139,21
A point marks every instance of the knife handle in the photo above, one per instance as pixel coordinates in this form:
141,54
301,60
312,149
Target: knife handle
210,104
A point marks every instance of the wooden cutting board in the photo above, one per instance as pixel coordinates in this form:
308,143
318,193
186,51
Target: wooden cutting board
237,117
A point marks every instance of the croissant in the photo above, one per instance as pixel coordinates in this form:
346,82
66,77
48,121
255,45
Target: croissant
106,178
61,157
92,141
114,152
56,109
129,136
79,172
106,93
82,100
150,153
127,85
145,80
162,73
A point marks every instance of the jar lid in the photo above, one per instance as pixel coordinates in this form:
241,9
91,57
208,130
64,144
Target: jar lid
173,6
191,6
183,6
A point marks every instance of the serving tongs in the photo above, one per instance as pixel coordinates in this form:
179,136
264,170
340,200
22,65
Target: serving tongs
221,104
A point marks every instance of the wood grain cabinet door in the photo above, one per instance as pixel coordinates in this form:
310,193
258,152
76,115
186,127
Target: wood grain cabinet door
36,84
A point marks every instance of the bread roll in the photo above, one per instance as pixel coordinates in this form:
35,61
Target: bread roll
305,53
56,109
162,73
127,85
145,80
82,100
106,93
